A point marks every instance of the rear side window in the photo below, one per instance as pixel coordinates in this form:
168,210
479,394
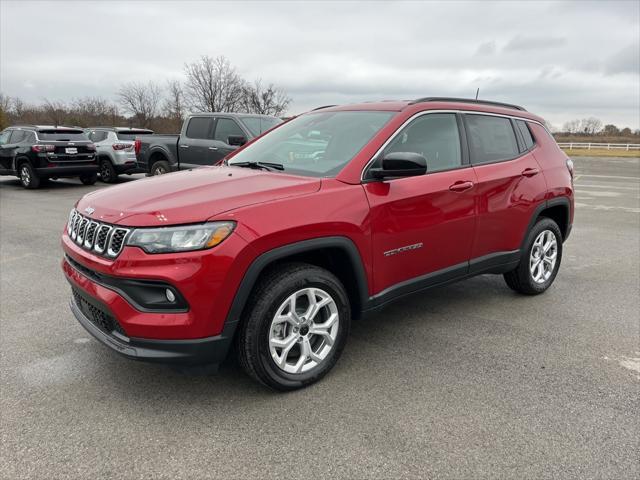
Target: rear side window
62,135
226,127
434,136
200,127
132,134
526,134
98,136
16,136
491,139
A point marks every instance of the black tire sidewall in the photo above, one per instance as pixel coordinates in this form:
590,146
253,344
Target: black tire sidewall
111,171
525,273
313,277
161,163
89,179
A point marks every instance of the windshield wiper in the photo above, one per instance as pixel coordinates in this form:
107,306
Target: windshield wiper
258,165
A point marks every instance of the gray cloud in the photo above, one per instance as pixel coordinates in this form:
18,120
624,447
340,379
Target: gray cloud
627,60
534,42
337,52
486,48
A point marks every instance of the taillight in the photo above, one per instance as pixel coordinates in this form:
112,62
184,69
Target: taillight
137,145
122,146
43,148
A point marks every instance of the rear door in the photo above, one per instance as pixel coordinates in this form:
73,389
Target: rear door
196,147
510,186
423,227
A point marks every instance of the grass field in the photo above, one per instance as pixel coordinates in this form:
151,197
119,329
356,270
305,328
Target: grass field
601,152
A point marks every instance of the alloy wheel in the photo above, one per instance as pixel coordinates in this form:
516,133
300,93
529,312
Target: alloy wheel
544,253
303,330
25,175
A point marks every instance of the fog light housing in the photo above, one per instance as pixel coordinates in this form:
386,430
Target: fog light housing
170,295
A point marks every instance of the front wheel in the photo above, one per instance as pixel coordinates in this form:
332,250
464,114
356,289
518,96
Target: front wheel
540,260
89,178
297,328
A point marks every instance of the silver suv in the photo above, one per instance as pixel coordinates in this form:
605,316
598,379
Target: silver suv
115,148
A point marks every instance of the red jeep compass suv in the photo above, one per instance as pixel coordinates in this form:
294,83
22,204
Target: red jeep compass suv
324,218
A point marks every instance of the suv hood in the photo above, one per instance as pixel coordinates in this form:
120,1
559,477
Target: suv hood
191,196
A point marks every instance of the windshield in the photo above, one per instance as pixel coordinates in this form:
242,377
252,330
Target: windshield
316,144
259,125
132,134
62,135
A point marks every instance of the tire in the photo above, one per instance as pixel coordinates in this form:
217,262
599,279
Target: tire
89,178
108,173
28,176
259,327
535,275
159,168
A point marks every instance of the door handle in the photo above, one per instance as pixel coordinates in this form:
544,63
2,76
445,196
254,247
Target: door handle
461,186
184,146
530,172
213,148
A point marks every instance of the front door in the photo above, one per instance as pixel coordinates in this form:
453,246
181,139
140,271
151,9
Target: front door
196,147
423,227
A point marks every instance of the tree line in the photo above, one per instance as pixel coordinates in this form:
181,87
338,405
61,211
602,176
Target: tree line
592,126
209,85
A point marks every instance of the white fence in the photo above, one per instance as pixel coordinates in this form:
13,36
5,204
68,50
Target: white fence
606,146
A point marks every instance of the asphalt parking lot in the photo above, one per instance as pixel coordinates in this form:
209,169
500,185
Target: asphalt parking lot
466,381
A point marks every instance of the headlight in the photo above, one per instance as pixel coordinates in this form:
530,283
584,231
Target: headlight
180,239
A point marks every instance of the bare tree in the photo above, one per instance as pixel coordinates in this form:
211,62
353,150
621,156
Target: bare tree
213,85
268,100
572,126
590,126
140,100
174,107
55,111
5,107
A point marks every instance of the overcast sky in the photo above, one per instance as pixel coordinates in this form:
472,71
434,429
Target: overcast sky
561,60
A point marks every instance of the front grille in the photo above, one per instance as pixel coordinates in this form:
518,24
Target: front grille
100,238
98,316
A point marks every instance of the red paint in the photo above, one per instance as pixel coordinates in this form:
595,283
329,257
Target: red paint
459,215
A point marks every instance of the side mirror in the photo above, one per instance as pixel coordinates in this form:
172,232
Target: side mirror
401,164
236,140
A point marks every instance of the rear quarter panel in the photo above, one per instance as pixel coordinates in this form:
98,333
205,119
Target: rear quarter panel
553,162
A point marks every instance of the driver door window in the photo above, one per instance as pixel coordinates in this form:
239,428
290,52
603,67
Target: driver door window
4,137
435,136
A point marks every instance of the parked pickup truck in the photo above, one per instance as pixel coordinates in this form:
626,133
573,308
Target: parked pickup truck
206,138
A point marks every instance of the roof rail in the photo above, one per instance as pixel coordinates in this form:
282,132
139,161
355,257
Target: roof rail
320,108
467,100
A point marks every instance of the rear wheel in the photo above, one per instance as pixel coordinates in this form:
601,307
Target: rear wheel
89,178
296,330
28,176
159,168
540,260
108,173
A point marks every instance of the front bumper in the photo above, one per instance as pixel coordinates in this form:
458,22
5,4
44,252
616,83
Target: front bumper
211,350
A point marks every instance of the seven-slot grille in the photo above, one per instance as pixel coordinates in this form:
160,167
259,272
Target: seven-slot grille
101,238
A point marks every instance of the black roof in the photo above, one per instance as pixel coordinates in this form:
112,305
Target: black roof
467,100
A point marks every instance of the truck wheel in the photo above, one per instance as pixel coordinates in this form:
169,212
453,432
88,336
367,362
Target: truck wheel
89,178
159,168
28,176
108,173
296,327
540,260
